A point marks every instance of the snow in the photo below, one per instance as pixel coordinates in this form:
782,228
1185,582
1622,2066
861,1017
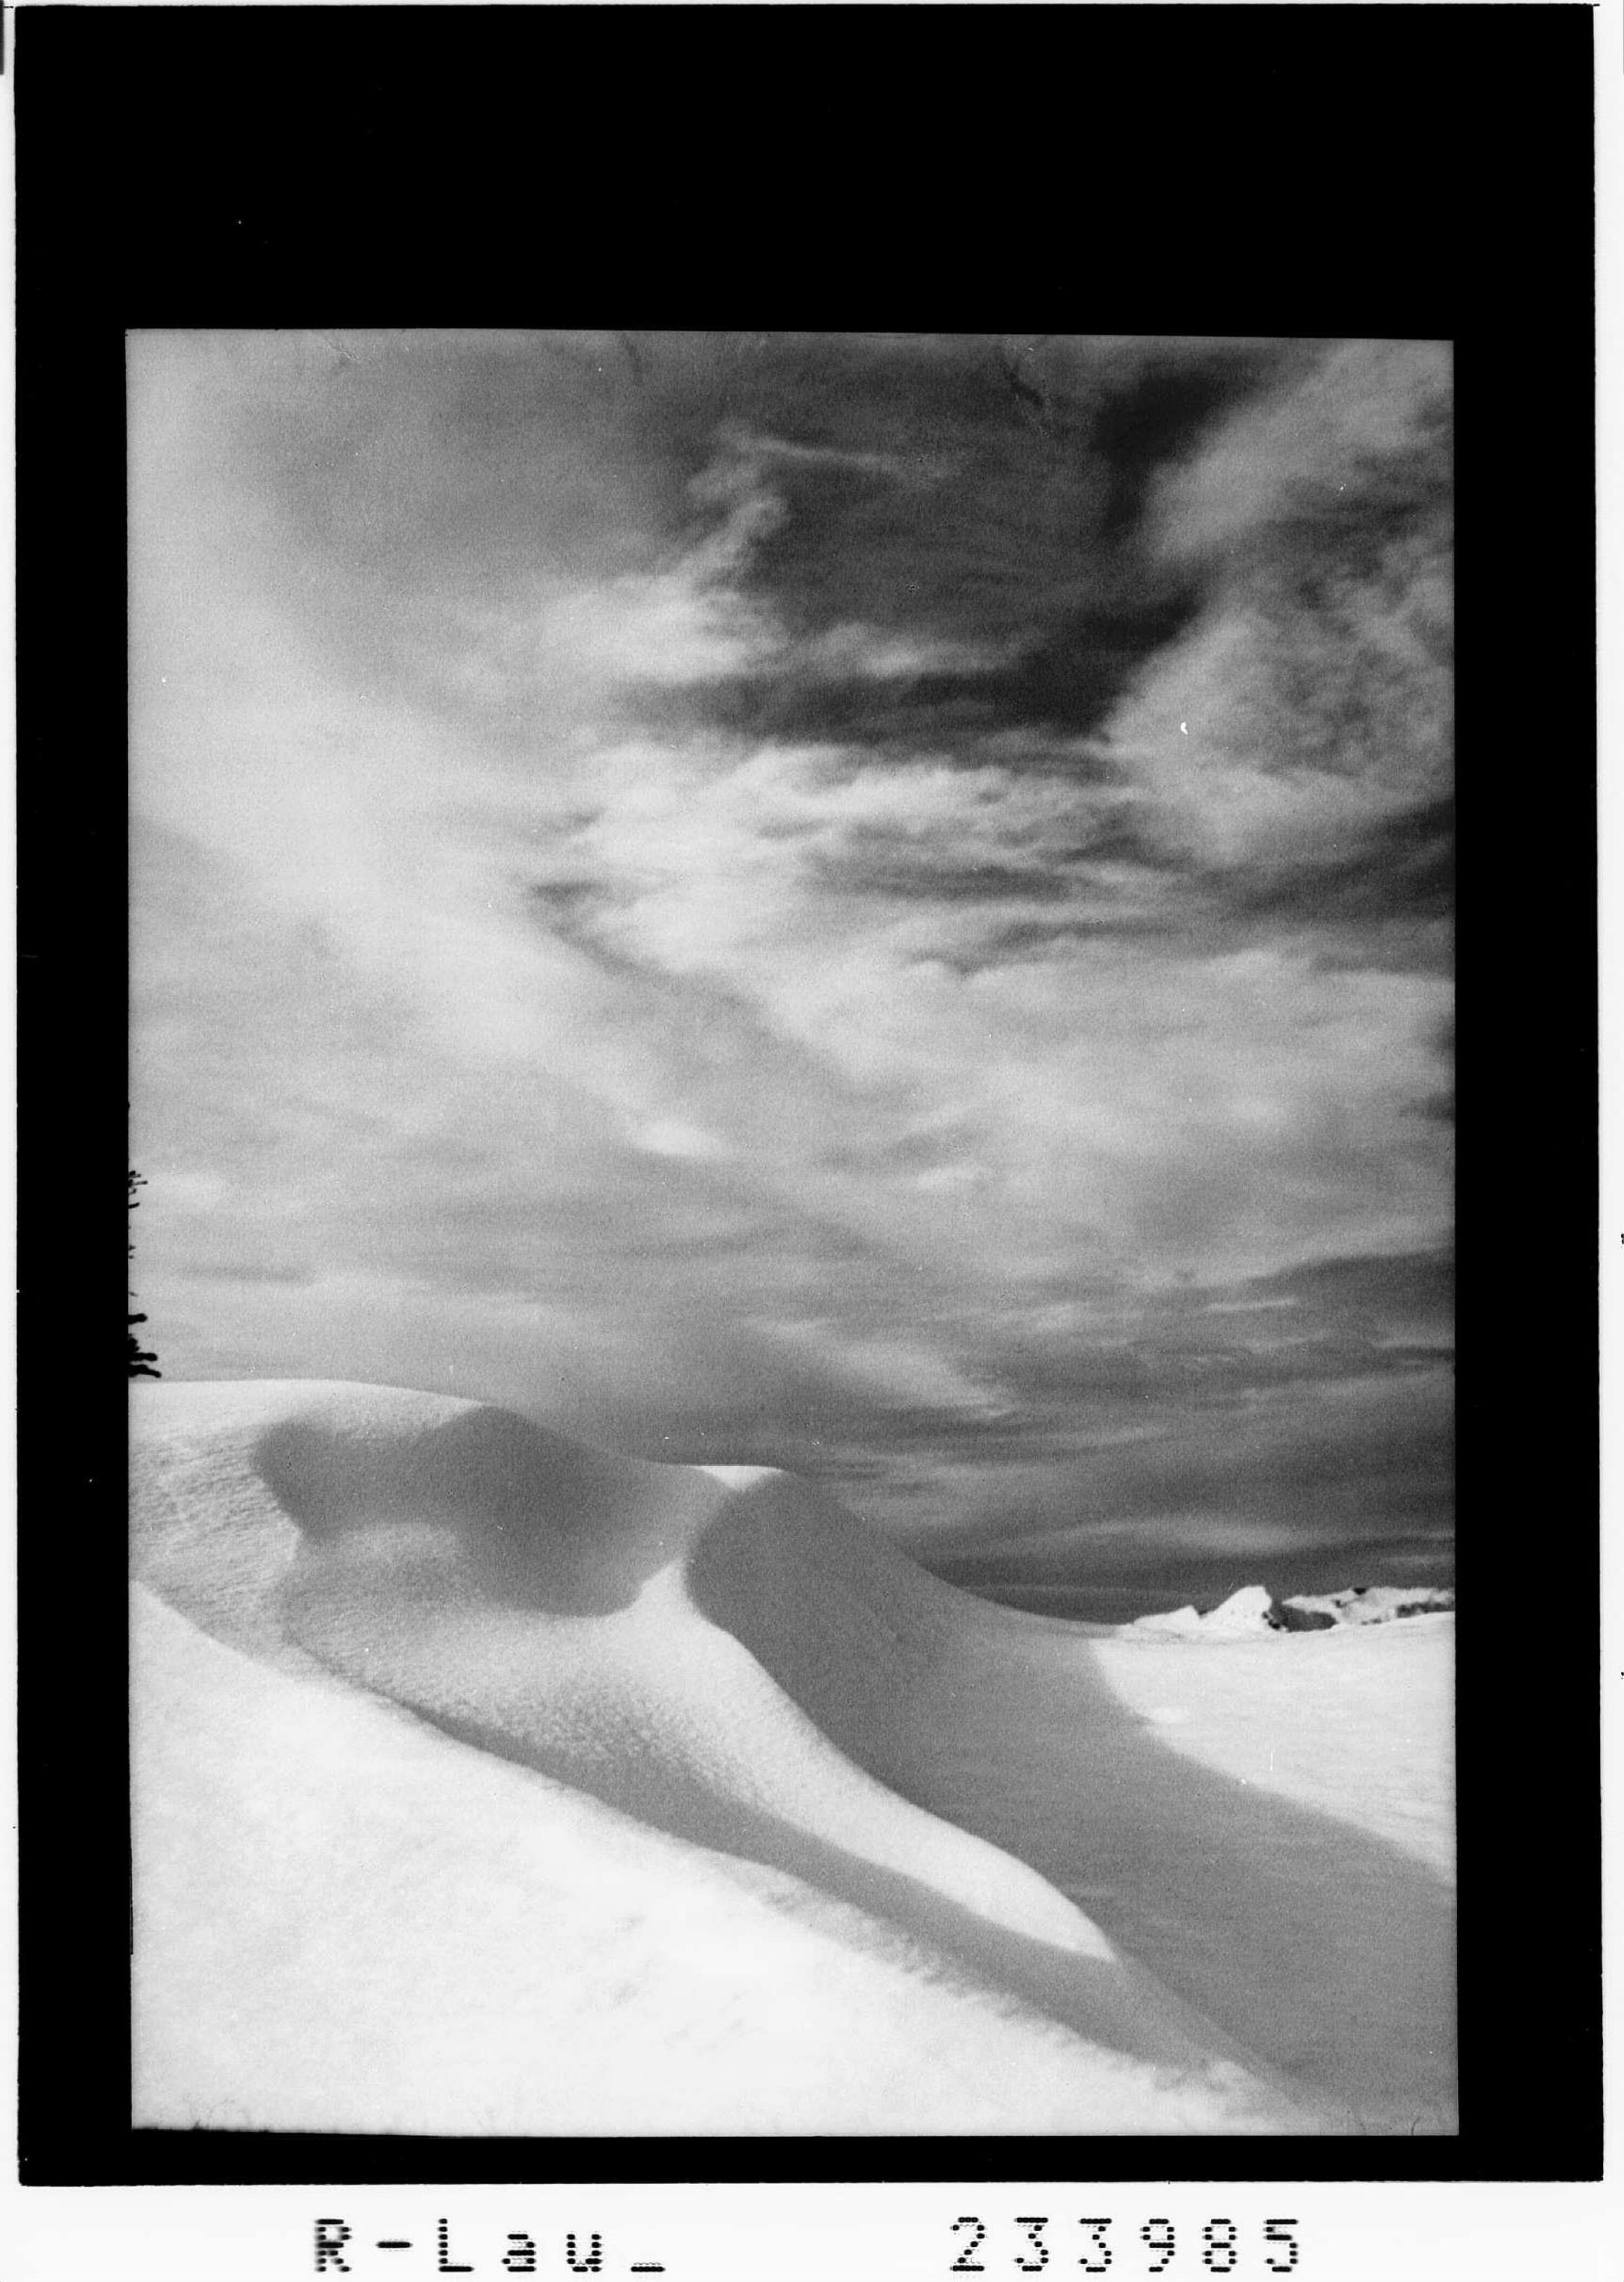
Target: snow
484,1783
1358,1728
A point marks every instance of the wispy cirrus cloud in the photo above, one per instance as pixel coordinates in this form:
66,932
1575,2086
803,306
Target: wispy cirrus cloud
902,880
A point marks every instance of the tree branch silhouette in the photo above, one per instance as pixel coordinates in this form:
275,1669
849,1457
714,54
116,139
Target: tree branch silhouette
142,1360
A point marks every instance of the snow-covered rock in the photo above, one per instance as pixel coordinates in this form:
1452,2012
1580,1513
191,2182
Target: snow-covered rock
1247,1611
1253,1610
1293,1617
1374,1604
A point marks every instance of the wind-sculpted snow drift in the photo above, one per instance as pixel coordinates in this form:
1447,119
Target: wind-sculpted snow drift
484,1783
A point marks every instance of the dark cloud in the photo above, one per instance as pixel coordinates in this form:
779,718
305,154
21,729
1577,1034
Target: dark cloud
1400,867
1381,1292
1381,896
1062,685
893,867
1355,1465
1160,414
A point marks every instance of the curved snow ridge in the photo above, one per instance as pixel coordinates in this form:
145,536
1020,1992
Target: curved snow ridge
348,1922
651,1636
534,1594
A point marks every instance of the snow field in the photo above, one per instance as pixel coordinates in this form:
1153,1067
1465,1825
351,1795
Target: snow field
490,1784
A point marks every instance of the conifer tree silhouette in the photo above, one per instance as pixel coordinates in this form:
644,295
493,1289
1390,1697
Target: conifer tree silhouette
141,1359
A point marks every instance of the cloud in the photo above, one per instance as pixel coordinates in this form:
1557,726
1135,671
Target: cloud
669,1137
889,898
1310,701
1361,418
1360,1460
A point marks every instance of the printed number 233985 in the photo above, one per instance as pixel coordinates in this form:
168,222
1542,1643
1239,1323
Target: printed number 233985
1219,2248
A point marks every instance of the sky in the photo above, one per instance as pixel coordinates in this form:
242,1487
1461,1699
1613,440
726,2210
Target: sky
878,904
